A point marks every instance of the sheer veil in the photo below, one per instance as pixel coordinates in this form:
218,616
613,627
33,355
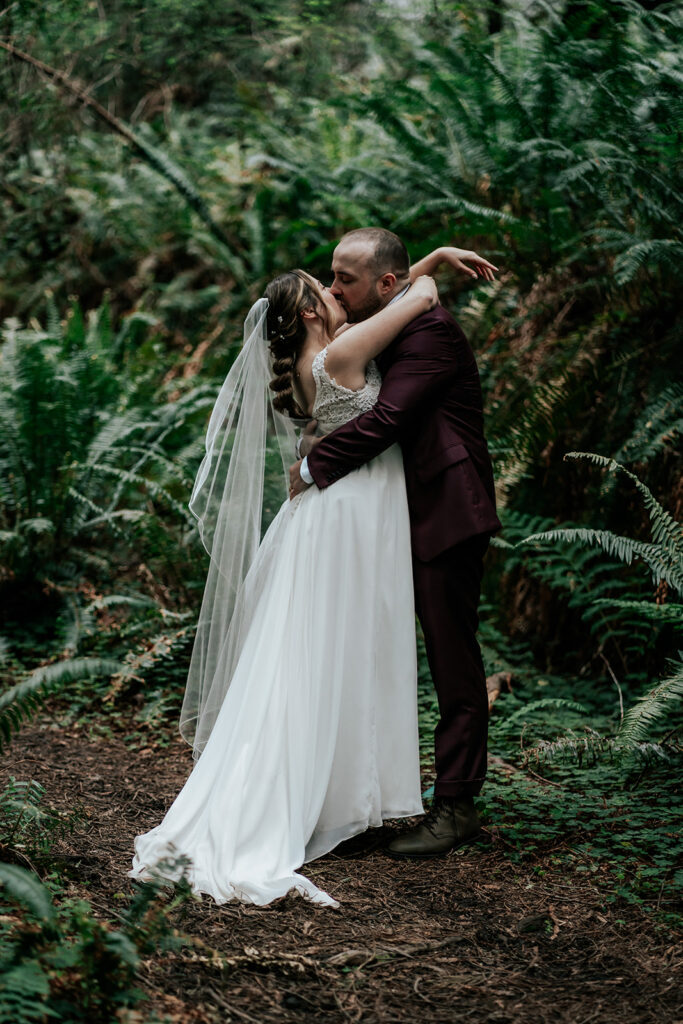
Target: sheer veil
227,501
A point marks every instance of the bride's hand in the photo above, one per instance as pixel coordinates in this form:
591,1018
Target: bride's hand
308,439
426,286
459,258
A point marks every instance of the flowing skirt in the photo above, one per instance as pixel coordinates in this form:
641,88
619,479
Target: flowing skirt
317,736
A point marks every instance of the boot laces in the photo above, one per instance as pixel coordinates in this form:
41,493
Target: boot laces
434,815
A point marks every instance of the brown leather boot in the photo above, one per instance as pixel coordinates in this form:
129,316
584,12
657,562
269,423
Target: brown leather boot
451,823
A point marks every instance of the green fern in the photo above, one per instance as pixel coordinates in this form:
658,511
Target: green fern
660,702
644,610
625,549
21,702
542,704
27,827
534,425
664,556
88,476
22,887
659,426
665,530
590,748
60,961
23,993
653,252
19,807
591,583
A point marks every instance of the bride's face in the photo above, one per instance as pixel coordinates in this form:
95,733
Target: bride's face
336,314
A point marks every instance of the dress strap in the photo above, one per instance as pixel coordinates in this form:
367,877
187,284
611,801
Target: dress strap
318,366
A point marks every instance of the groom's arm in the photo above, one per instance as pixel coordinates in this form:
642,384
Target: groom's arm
424,363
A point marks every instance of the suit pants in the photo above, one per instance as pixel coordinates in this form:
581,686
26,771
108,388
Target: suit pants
447,590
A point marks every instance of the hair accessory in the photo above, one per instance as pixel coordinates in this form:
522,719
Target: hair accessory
279,319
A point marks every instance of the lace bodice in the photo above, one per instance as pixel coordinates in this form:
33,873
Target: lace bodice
334,404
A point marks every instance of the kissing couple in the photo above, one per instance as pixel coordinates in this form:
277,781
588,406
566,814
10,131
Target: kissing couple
301,700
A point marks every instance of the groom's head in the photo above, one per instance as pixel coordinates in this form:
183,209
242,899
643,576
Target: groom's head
370,267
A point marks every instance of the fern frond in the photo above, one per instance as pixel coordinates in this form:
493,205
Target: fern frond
20,702
136,663
625,549
544,703
592,747
25,823
80,622
661,252
660,613
652,706
23,887
128,600
128,476
660,425
665,530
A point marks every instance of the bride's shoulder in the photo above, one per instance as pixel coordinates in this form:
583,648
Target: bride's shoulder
333,364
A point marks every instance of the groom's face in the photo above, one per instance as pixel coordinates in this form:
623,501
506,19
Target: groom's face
355,283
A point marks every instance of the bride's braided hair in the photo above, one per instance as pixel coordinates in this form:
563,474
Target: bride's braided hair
288,296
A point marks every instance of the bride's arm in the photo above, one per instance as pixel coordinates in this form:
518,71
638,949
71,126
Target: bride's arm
358,344
454,258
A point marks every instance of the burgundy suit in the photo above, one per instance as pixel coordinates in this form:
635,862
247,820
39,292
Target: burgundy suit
430,402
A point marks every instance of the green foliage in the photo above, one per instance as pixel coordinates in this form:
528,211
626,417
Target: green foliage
627,841
624,549
661,702
585,801
659,425
90,478
27,828
78,464
58,961
24,888
663,556
20,702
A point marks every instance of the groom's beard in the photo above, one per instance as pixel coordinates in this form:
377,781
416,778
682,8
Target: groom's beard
372,305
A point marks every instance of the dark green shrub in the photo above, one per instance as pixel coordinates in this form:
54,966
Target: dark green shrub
59,961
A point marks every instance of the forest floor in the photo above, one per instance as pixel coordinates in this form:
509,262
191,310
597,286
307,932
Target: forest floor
472,936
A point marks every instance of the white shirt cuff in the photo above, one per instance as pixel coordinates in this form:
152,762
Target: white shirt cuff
305,472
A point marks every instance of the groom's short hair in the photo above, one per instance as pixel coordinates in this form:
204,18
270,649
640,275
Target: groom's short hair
389,254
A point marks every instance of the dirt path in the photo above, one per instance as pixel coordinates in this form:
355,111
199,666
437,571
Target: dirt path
471,937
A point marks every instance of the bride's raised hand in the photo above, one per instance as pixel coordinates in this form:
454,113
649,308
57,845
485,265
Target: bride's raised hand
459,258
456,258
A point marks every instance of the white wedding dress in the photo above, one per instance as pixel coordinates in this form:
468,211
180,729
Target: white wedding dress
317,737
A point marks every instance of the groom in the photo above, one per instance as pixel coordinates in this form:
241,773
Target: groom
430,402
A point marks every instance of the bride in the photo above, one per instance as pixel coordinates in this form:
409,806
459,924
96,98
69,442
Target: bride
301,699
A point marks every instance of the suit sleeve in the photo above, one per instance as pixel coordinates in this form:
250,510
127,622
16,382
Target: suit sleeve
424,363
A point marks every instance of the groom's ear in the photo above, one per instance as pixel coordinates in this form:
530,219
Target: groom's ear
386,283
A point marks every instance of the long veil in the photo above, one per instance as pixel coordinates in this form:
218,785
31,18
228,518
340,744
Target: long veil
227,501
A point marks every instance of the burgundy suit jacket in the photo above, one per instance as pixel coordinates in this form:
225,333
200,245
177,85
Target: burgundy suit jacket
430,402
